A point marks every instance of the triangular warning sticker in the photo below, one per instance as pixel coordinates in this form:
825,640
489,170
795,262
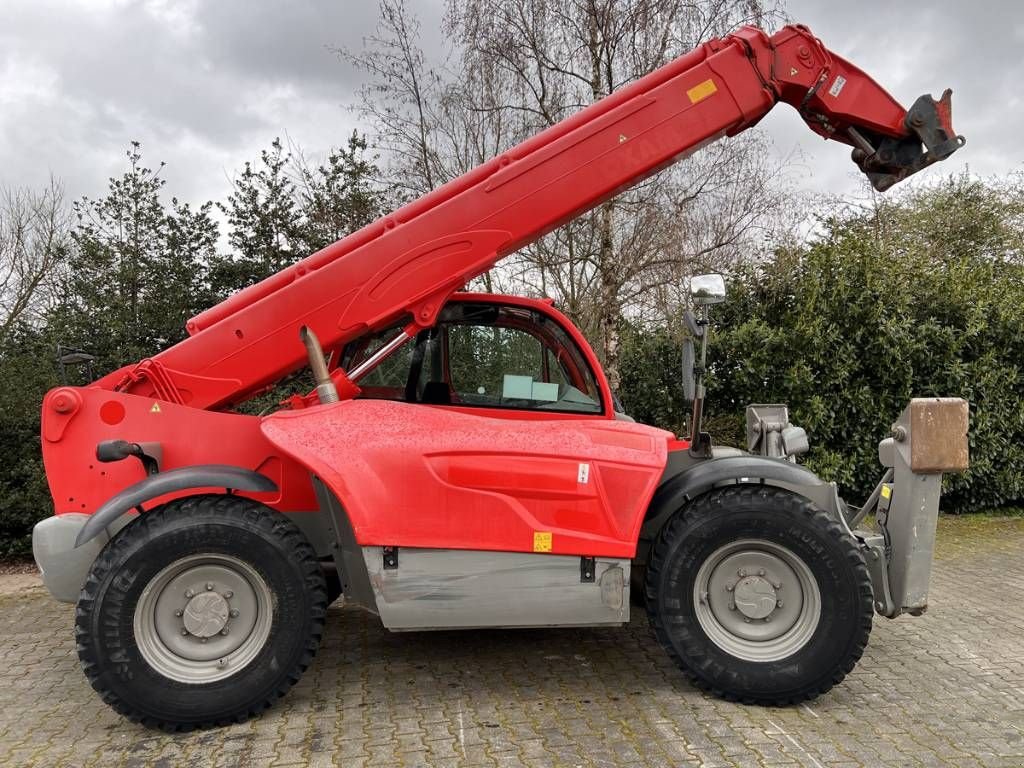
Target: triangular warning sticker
155,408
793,71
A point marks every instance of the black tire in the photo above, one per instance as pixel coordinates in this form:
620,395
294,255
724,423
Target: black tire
714,522
208,525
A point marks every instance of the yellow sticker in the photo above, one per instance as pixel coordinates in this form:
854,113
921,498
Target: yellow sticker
155,408
702,91
542,541
886,491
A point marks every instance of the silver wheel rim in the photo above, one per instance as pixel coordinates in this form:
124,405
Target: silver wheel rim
757,600
203,618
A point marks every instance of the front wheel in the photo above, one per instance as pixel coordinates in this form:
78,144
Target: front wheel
759,595
201,612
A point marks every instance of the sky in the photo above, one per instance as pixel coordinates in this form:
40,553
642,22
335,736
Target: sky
206,84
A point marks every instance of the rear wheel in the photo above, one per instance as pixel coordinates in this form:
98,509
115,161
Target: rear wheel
199,613
759,595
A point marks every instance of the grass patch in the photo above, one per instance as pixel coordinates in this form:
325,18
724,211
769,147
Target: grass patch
1000,512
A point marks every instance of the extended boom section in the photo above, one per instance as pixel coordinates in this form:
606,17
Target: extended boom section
409,262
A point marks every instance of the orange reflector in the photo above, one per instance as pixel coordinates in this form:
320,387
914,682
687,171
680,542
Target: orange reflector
701,91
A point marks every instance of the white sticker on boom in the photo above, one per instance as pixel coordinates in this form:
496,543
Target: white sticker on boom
584,474
837,86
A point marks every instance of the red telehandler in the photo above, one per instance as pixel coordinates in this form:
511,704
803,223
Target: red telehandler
462,461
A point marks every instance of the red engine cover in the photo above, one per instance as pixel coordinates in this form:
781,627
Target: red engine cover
421,476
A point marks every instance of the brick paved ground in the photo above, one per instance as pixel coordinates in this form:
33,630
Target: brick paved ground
946,689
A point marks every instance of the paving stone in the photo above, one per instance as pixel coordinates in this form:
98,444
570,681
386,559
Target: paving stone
946,689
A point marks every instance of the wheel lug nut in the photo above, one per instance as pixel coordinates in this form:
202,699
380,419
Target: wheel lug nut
202,639
732,606
778,603
228,595
179,614
224,631
729,587
746,619
234,613
209,586
742,573
189,593
184,631
761,572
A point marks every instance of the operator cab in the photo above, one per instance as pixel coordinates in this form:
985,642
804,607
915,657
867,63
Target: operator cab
510,354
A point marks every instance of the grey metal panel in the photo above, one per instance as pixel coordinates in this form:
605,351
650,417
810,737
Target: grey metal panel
726,451
348,556
911,521
450,589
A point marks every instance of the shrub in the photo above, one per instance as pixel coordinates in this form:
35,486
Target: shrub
920,297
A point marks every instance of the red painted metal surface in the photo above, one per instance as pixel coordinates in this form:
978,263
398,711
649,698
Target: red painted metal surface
436,477
80,483
431,476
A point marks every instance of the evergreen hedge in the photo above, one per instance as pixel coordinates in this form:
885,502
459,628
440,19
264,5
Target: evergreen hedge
920,297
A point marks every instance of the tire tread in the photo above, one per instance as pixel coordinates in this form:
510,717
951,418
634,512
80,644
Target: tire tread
710,504
148,525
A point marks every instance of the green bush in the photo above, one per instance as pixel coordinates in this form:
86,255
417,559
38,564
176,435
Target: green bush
27,371
921,297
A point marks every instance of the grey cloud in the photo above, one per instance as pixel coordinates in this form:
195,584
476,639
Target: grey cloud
284,41
204,84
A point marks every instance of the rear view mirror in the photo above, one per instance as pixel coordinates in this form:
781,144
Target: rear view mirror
707,289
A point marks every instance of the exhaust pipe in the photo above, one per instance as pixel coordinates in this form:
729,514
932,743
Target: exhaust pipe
325,389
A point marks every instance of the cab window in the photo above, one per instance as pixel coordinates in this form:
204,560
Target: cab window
484,355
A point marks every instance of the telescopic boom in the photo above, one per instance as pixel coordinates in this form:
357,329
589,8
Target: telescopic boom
408,263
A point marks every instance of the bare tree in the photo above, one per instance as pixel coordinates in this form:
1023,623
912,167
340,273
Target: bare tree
34,236
519,66
402,99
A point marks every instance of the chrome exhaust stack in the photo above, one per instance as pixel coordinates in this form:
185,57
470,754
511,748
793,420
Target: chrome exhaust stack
326,391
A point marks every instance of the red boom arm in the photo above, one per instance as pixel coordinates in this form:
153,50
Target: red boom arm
409,262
